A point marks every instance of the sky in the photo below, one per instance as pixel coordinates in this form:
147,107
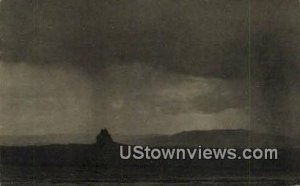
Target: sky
148,67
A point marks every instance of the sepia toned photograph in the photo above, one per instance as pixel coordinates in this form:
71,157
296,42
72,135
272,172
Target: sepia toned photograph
149,92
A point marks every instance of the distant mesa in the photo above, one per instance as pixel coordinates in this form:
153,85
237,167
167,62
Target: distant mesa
103,138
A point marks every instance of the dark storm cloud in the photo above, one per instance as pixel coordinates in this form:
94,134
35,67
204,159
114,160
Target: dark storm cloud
193,37
206,39
275,65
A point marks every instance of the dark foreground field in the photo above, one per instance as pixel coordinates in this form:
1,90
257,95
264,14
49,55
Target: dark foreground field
94,164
